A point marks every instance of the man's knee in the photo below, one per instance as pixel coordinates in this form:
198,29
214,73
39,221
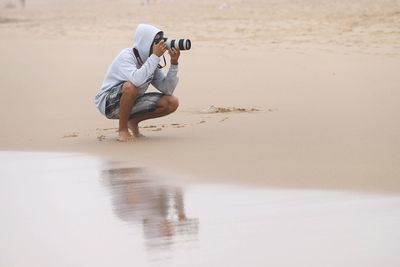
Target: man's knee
173,103
129,88
163,104
168,104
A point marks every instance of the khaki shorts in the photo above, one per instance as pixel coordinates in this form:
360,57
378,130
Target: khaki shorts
144,103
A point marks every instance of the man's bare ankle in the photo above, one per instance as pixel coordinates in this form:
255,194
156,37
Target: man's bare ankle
125,129
133,123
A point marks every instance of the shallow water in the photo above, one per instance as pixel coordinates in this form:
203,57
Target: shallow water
78,210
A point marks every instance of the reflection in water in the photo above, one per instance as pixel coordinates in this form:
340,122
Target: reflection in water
54,212
140,198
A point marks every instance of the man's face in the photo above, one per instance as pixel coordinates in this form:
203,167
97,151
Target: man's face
158,38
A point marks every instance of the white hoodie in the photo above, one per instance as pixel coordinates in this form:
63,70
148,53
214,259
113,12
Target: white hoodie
125,67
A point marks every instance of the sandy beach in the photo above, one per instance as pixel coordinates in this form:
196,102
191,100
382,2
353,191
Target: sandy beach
323,78
274,95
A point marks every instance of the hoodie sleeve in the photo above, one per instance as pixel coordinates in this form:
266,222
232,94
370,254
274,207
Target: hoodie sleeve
166,83
142,75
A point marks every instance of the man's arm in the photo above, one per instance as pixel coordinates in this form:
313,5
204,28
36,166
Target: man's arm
167,84
142,75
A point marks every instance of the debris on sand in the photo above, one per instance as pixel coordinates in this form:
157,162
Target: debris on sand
214,109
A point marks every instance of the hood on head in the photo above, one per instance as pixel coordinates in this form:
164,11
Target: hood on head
144,37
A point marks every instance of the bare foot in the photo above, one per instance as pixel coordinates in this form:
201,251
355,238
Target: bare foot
124,136
134,127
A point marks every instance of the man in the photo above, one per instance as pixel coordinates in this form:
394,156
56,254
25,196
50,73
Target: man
123,92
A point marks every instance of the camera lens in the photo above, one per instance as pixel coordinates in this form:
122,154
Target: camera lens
181,44
185,44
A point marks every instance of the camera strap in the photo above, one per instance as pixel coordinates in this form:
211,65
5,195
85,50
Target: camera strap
139,59
165,63
136,52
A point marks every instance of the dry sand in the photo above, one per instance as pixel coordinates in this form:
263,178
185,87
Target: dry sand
318,82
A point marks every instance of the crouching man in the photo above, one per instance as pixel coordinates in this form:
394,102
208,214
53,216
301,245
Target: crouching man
123,93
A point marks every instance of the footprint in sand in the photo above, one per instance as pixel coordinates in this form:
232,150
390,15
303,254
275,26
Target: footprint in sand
153,128
70,135
101,138
149,127
178,125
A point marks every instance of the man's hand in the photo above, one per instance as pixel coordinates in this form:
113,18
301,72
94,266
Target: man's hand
174,53
160,48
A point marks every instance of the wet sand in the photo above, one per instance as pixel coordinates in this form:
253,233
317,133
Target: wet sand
73,209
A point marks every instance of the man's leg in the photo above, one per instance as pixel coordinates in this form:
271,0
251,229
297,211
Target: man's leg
166,105
128,98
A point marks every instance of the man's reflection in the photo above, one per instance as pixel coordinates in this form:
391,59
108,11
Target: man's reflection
140,198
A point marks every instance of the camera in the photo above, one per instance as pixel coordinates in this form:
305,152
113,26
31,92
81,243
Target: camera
181,44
